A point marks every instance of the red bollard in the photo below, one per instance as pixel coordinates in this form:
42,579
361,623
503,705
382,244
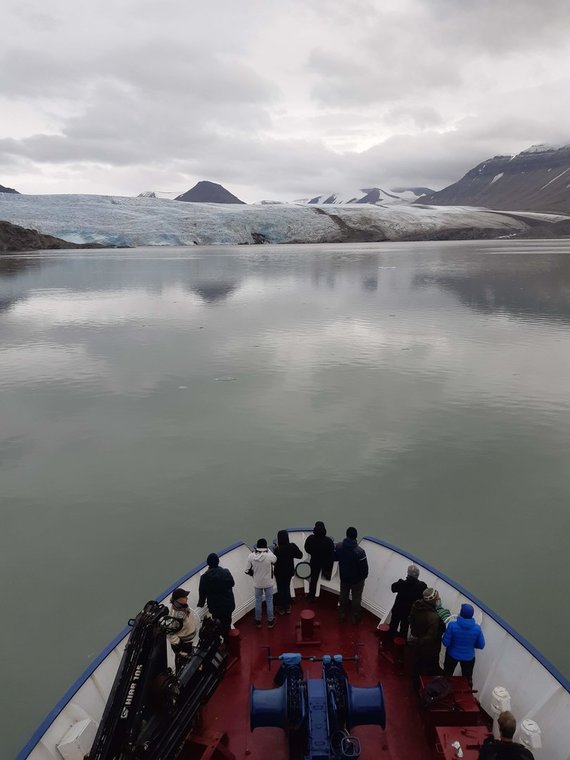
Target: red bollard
307,628
307,624
234,643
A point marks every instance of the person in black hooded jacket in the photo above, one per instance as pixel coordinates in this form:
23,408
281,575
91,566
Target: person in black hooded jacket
353,571
286,553
216,590
320,548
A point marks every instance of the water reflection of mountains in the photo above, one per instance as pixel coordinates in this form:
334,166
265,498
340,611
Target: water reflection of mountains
537,289
213,278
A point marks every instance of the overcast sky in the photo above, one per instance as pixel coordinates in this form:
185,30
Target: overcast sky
275,100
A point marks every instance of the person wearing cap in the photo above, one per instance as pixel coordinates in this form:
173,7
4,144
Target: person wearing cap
505,748
260,566
461,638
407,590
181,641
426,628
215,590
353,571
320,549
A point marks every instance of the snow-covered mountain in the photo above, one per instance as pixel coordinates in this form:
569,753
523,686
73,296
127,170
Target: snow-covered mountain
150,221
166,196
371,195
538,179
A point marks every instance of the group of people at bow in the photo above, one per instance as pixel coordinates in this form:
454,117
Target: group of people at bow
278,563
417,610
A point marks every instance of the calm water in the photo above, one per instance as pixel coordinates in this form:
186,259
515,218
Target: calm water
159,404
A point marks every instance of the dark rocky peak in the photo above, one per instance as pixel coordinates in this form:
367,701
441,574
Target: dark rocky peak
8,190
208,192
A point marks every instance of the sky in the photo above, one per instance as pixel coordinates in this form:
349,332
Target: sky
275,101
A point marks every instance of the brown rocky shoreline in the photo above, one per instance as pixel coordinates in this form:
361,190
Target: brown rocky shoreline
14,238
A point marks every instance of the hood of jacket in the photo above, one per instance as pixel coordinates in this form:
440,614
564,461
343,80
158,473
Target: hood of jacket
260,555
466,624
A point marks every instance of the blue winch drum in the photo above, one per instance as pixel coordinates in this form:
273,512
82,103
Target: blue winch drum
268,708
366,706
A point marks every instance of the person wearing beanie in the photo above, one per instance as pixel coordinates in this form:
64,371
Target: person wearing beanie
286,553
353,571
260,566
181,641
461,638
407,590
320,549
215,590
426,628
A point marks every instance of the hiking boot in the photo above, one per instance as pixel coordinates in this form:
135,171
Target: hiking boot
258,624
288,610
271,623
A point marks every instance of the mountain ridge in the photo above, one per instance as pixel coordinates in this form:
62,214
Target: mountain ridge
537,179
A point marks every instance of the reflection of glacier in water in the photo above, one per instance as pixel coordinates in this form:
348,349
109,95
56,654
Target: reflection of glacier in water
420,388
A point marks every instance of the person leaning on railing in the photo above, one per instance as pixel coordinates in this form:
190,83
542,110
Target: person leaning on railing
505,748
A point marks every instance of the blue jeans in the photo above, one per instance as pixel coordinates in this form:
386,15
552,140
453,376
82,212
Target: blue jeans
268,601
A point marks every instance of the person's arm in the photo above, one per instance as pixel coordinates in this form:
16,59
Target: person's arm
202,593
249,567
309,543
297,553
363,565
480,643
231,582
272,557
396,586
448,635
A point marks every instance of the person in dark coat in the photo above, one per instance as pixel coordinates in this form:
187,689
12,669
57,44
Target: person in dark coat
215,589
462,637
353,571
426,628
320,549
407,591
286,552
505,748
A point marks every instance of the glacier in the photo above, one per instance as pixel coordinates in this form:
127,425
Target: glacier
143,221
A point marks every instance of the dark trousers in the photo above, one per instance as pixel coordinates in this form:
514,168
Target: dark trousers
225,621
350,598
316,568
399,624
283,593
450,663
423,663
182,653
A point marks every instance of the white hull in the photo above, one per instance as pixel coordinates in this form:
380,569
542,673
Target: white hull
537,690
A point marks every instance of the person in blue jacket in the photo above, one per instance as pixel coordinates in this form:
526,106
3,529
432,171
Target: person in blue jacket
461,638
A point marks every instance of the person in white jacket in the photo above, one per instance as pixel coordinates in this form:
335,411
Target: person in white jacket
260,566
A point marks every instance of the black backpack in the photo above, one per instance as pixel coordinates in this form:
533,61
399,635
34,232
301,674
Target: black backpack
438,692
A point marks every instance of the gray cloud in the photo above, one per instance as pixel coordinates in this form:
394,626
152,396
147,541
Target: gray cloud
275,100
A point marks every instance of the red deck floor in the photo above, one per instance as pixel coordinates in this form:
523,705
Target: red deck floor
228,709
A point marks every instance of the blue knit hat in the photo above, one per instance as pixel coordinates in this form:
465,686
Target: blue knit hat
467,611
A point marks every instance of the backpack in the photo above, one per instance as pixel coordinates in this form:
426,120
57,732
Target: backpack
437,693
